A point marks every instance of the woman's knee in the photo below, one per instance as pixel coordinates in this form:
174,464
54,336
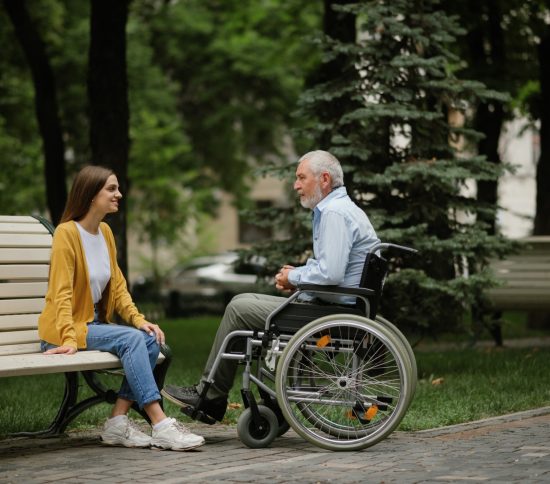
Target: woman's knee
153,348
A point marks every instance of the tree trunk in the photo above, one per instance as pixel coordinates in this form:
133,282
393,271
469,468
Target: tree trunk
489,116
45,102
339,26
108,100
542,214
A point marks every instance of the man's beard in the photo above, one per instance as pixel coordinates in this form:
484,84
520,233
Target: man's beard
311,201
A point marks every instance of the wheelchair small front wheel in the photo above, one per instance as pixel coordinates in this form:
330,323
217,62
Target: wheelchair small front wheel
284,427
258,435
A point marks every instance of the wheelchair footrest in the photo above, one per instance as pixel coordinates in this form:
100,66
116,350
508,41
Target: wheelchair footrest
199,415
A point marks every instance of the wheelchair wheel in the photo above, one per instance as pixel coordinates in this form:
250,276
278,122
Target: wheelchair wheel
343,382
258,436
283,424
408,349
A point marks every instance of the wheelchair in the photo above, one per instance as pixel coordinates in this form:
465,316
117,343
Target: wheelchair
340,376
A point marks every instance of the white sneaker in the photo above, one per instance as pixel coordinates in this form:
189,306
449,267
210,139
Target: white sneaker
124,433
175,436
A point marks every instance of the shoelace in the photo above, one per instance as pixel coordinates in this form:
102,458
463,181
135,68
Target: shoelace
132,426
179,426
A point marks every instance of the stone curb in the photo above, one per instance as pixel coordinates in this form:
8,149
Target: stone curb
501,419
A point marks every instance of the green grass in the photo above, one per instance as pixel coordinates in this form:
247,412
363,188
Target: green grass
476,384
513,325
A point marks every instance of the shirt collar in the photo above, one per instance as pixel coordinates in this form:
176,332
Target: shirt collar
339,192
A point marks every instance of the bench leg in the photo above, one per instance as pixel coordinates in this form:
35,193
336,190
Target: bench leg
69,398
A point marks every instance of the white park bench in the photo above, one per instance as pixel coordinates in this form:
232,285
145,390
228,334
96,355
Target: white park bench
525,277
25,244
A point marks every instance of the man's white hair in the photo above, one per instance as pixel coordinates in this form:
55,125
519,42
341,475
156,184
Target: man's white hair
320,161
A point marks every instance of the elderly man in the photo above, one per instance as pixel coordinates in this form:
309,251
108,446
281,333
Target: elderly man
342,236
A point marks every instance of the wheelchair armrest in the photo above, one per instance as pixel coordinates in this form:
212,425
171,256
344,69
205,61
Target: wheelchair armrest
349,291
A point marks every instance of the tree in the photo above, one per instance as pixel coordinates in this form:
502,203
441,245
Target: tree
45,104
108,102
239,67
542,215
398,144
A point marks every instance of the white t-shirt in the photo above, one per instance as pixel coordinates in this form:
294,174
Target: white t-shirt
97,257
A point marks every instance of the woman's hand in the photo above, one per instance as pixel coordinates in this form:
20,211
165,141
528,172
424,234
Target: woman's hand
61,350
154,329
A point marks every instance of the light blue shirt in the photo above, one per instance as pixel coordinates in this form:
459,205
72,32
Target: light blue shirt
342,236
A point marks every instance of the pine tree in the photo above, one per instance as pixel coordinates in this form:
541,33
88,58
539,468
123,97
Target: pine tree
406,162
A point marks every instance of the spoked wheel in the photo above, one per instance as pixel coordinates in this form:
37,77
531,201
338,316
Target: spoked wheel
343,382
408,349
258,435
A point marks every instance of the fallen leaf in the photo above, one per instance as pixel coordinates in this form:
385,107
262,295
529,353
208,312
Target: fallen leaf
234,405
438,381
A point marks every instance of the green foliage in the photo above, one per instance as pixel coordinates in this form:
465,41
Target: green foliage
211,88
239,67
388,114
21,165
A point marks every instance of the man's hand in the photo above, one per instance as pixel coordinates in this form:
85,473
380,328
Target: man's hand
281,279
61,350
154,329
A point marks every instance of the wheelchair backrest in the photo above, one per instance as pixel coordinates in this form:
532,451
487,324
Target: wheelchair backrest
373,277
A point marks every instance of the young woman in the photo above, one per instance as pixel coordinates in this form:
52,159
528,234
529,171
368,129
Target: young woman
85,288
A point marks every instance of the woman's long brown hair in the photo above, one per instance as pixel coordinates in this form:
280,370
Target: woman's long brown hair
86,185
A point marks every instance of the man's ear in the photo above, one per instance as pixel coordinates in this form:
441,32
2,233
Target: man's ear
326,181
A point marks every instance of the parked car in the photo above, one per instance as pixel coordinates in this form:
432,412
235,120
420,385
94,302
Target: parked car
207,284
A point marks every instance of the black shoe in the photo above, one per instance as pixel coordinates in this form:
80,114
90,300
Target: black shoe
210,410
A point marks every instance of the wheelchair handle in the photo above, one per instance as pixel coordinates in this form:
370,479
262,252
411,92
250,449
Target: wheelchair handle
384,246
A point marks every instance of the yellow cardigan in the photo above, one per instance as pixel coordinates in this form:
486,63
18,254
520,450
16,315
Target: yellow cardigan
69,304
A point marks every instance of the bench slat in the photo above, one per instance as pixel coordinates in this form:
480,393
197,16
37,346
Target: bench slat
22,228
19,349
519,298
23,289
21,306
526,277
28,256
24,271
506,275
19,337
534,284
25,240
12,322
38,363
18,219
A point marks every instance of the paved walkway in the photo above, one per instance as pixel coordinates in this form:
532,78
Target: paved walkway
512,448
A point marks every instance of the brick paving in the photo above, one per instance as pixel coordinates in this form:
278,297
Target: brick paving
511,448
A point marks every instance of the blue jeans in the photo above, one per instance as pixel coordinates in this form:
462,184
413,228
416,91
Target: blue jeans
138,353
